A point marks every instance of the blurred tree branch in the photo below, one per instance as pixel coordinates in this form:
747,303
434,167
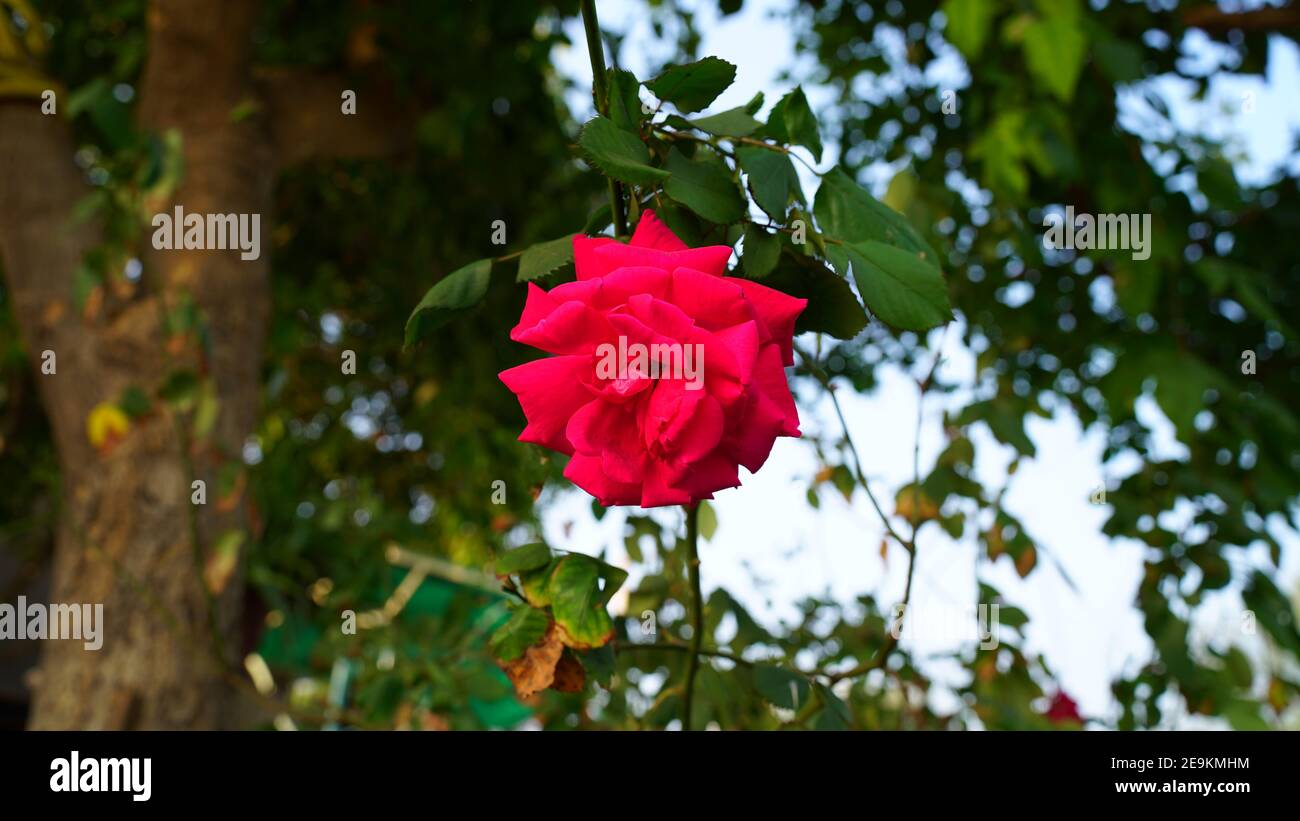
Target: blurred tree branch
1214,20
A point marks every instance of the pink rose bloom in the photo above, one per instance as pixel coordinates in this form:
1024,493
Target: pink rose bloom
671,428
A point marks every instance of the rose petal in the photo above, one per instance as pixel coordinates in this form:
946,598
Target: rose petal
663,317
586,472
778,311
742,343
713,302
706,477
617,287
585,262
572,328
769,380
609,431
652,233
550,391
711,259
682,424
656,492
757,425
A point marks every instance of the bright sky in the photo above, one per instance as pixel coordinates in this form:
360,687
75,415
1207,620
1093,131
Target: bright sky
771,548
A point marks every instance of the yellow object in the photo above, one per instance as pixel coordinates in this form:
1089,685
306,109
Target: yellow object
20,53
106,425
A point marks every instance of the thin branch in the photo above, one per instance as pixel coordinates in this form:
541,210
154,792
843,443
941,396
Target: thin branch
789,230
895,631
708,652
778,148
395,554
825,381
682,135
922,388
908,544
716,142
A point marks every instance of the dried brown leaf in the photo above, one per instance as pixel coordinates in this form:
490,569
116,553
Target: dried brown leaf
534,671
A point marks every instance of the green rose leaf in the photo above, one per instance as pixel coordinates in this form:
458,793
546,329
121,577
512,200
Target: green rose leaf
832,308
900,287
1273,611
801,124
734,122
599,664
772,179
792,121
1182,380
693,86
528,557
613,578
762,251
705,186
625,101
451,296
578,602
708,521
535,584
618,153
522,630
598,220
545,258
846,211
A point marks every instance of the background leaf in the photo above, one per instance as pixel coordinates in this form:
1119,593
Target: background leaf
780,686
968,24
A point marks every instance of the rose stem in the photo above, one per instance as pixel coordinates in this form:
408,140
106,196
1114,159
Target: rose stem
600,94
697,607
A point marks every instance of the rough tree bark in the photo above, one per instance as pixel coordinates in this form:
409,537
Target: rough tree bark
129,536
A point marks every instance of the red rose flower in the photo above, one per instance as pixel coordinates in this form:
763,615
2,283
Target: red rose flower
668,375
1063,710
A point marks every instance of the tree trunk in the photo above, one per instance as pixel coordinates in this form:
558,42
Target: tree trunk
129,537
